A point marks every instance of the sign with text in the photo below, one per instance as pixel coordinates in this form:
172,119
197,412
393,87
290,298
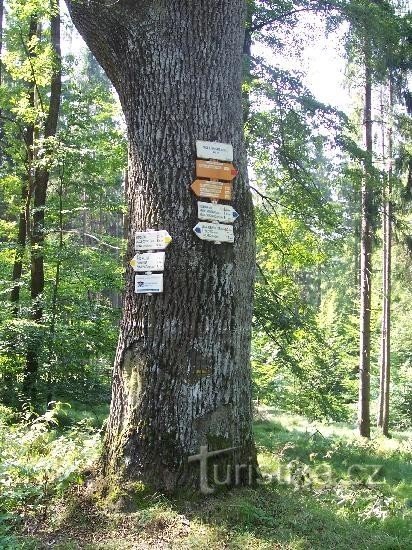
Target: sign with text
212,189
214,150
215,170
214,232
148,261
148,284
152,240
216,212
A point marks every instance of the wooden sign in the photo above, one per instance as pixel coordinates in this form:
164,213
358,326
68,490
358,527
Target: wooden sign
216,212
214,169
152,240
148,261
148,284
216,232
214,150
213,189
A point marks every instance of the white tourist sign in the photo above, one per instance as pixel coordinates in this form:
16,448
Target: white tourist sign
152,240
216,212
148,284
148,261
214,150
214,232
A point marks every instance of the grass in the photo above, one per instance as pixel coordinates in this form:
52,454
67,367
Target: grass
323,488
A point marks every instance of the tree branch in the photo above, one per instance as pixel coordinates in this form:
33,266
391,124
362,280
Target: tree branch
260,26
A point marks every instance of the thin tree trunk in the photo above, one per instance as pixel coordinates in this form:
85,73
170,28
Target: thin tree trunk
41,181
54,302
384,381
25,189
366,265
182,371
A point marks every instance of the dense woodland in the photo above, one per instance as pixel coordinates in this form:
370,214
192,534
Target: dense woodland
331,350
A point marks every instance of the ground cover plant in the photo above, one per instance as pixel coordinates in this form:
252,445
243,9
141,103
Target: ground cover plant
322,487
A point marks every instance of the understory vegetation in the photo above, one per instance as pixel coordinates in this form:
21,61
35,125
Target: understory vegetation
322,487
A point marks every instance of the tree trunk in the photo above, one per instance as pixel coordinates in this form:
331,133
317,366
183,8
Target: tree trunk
41,180
366,266
25,187
384,380
182,371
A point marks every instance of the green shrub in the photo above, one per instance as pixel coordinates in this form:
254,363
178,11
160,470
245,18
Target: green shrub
38,463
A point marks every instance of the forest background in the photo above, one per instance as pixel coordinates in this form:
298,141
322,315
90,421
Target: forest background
63,176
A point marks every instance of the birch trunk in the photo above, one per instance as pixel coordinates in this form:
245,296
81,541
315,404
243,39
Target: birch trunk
181,373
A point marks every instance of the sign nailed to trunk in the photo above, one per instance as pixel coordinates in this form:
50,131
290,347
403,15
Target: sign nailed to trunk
216,170
216,212
212,189
214,150
149,284
152,240
148,261
216,232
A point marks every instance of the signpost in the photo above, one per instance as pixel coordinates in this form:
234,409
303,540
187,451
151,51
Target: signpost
216,232
215,170
214,150
149,284
212,189
152,240
148,261
216,212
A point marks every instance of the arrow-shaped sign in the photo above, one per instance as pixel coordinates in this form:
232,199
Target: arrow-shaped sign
148,261
152,240
216,212
214,150
214,232
213,189
215,170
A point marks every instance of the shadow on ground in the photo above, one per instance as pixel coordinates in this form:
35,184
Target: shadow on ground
337,492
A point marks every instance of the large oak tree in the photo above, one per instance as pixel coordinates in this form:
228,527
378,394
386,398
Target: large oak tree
181,373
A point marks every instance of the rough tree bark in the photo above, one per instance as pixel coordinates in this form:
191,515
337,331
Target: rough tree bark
366,265
40,184
181,373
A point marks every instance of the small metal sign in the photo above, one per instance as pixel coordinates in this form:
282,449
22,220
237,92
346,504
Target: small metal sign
215,170
148,261
213,189
152,240
216,232
214,150
216,212
149,284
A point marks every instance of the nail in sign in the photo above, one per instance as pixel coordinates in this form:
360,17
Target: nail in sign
148,261
148,284
216,212
213,189
214,150
152,240
214,232
215,170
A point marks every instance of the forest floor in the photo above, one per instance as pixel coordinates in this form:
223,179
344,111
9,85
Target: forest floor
323,488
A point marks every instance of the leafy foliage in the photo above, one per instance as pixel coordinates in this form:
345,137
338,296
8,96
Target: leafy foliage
37,463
